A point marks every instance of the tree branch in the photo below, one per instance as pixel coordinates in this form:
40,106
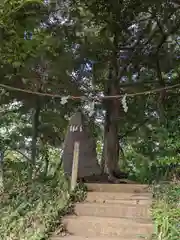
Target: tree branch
162,93
165,37
18,151
134,129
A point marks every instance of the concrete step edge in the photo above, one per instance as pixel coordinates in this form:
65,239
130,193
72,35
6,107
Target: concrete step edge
114,205
136,221
122,195
128,202
119,184
103,210
75,237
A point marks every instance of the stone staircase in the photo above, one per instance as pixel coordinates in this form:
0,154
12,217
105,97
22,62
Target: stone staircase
111,212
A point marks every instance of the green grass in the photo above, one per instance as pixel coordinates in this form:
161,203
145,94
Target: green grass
32,211
166,212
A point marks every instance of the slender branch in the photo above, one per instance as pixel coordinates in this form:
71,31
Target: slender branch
18,151
24,155
160,26
134,129
162,94
159,73
4,113
137,84
177,43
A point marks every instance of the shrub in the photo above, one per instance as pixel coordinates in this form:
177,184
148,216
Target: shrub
166,212
30,210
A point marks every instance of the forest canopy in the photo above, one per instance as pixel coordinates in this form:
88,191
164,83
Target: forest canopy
59,56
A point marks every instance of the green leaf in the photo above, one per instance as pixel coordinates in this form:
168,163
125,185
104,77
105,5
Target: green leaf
16,64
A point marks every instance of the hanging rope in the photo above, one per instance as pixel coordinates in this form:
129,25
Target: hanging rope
93,97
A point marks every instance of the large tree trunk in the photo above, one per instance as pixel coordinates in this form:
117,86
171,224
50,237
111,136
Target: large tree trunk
111,126
111,148
110,157
111,145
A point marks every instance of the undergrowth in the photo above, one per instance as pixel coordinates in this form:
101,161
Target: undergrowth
33,211
166,211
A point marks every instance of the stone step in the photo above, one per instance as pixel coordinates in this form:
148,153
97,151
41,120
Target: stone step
88,226
121,198
71,237
123,188
112,210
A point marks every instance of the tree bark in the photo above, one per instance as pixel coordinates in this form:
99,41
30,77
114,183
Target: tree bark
111,126
1,172
35,125
111,139
46,160
111,144
162,94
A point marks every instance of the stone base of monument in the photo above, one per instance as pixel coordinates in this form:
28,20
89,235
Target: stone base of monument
94,179
102,179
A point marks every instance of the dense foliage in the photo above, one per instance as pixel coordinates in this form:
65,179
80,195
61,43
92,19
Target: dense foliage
59,56
166,212
28,211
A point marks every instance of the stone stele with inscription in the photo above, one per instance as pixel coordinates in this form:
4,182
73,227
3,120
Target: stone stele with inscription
78,132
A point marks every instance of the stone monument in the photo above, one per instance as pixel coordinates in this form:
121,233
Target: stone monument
78,132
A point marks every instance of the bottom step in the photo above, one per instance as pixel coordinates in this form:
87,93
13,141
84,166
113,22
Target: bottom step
97,238
107,227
